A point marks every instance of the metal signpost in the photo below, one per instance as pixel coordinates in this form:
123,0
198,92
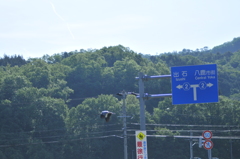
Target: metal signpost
208,144
194,84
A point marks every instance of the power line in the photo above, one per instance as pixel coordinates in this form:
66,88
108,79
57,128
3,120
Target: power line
72,99
192,137
107,136
69,135
186,125
60,129
219,131
129,130
58,141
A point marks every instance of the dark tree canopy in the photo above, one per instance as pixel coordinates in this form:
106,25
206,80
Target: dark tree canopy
15,60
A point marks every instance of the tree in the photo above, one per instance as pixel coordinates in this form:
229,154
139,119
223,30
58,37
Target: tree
38,72
84,120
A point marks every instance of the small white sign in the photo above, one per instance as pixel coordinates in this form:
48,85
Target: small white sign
141,145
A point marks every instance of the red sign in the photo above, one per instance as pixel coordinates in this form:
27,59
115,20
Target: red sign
208,144
207,135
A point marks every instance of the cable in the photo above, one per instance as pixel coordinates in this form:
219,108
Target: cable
62,129
72,99
70,135
185,125
193,137
223,131
129,130
58,141
98,137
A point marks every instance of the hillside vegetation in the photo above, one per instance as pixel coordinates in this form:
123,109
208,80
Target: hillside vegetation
50,106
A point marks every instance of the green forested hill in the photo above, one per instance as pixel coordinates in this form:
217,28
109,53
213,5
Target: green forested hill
232,46
50,106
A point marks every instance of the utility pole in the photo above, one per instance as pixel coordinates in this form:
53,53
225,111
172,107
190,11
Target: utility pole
191,145
124,116
231,149
124,125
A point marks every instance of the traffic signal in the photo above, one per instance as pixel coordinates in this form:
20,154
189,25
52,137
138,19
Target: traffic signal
200,142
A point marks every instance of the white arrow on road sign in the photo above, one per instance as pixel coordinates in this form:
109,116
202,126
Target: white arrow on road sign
209,84
187,86
179,86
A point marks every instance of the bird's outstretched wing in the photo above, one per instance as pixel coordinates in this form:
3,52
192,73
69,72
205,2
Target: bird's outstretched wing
106,114
103,114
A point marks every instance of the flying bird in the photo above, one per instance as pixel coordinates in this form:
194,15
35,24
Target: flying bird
106,114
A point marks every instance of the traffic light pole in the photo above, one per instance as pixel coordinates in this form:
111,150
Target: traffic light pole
143,95
141,100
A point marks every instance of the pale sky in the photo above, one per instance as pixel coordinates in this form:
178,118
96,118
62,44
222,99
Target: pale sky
33,28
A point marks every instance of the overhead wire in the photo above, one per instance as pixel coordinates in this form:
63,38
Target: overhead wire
65,135
191,137
58,141
72,99
111,131
60,129
220,131
82,136
188,125
129,130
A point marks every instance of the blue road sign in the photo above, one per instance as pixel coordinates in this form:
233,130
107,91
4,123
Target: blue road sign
194,84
